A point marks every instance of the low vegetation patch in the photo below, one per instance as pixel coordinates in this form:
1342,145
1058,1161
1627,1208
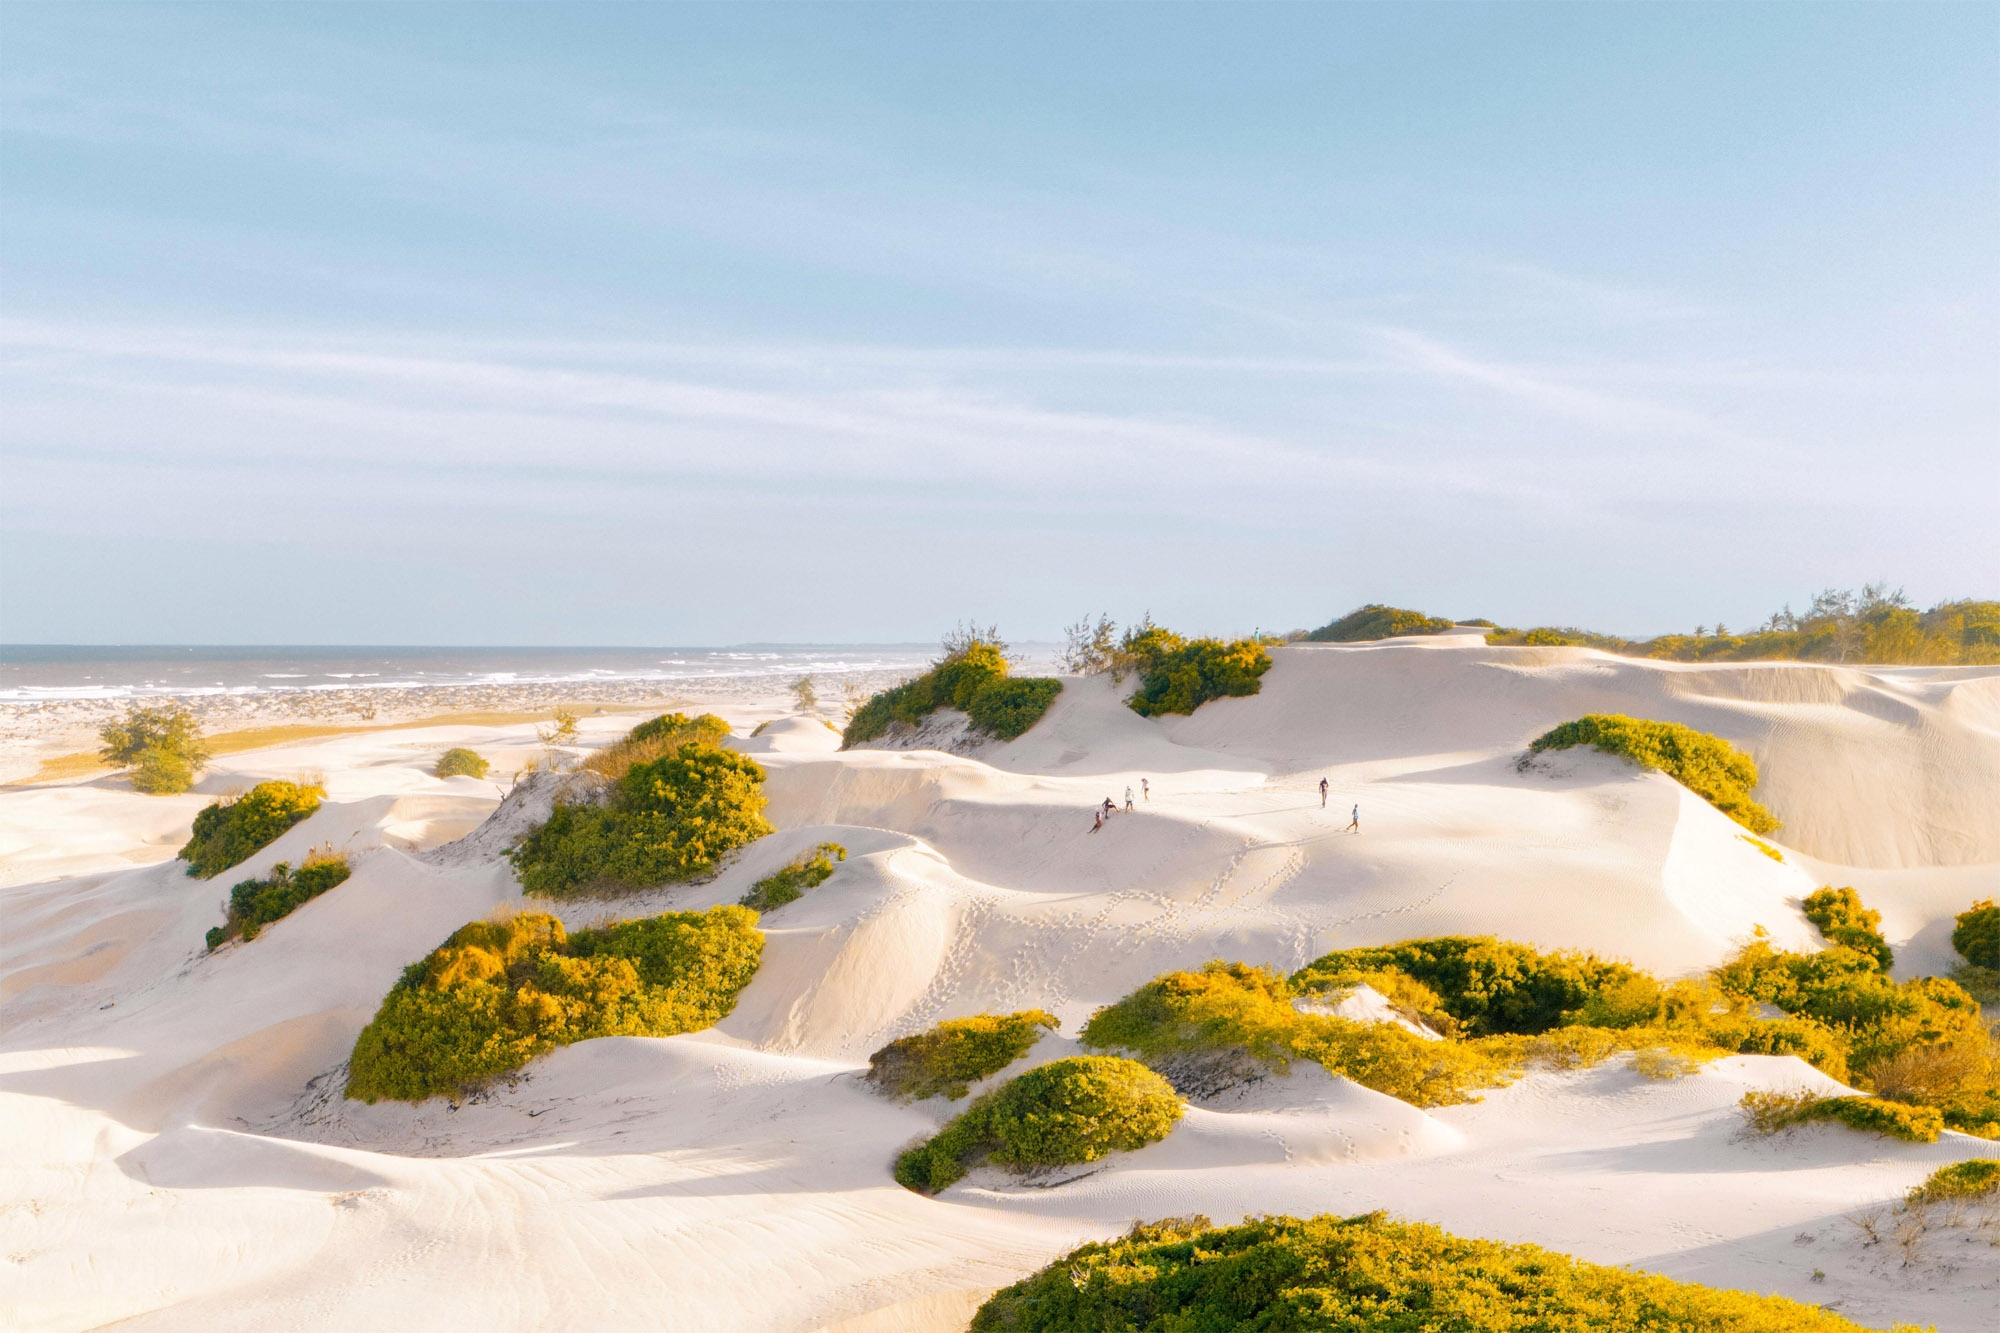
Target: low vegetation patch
1489,986
234,828
1375,621
1058,1114
256,903
1179,675
1841,919
1770,1112
668,820
948,1059
161,746
972,676
1363,1275
1188,1025
654,740
1874,625
499,993
1978,1178
459,762
807,870
1921,1041
1706,765
1976,935
1764,847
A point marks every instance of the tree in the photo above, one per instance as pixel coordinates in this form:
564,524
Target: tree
1088,646
162,747
561,729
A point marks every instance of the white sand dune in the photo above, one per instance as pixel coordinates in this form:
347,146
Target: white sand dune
176,1153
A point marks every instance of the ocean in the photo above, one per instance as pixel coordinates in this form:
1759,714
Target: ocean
45,673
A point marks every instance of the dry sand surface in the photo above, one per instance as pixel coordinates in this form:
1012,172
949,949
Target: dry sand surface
176,1153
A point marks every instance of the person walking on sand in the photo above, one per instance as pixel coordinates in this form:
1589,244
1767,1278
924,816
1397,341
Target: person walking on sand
1354,826
1110,807
1145,789
1322,793
1096,819
1128,800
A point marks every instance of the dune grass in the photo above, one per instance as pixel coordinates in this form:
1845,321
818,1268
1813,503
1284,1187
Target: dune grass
1367,1274
1706,765
234,828
499,993
459,762
947,1059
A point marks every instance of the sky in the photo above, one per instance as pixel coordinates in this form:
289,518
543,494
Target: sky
483,324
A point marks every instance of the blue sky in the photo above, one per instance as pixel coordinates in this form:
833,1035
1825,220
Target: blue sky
684,324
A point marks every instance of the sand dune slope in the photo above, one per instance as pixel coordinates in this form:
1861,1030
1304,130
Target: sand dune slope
177,1154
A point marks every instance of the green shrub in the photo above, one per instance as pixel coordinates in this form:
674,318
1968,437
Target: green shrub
1876,1019
459,762
949,1058
671,819
1007,707
161,746
807,870
1841,919
1708,766
256,903
972,677
1491,986
228,831
1976,935
654,740
497,994
1981,983
1182,1020
1769,1112
1178,675
1972,1179
1375,621
1365,1274
1058,1114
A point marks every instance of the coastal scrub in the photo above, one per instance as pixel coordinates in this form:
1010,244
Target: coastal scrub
499,993
235,828
256,903
947,1059
1058,1114
1358,1274
668,820
1706,765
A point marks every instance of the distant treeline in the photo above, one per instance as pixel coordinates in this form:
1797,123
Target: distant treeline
1875,625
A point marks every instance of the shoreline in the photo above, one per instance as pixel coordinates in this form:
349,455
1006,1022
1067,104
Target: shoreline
56,740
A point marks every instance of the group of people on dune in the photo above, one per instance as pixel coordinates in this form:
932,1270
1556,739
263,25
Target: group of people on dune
1102,812
1110,807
